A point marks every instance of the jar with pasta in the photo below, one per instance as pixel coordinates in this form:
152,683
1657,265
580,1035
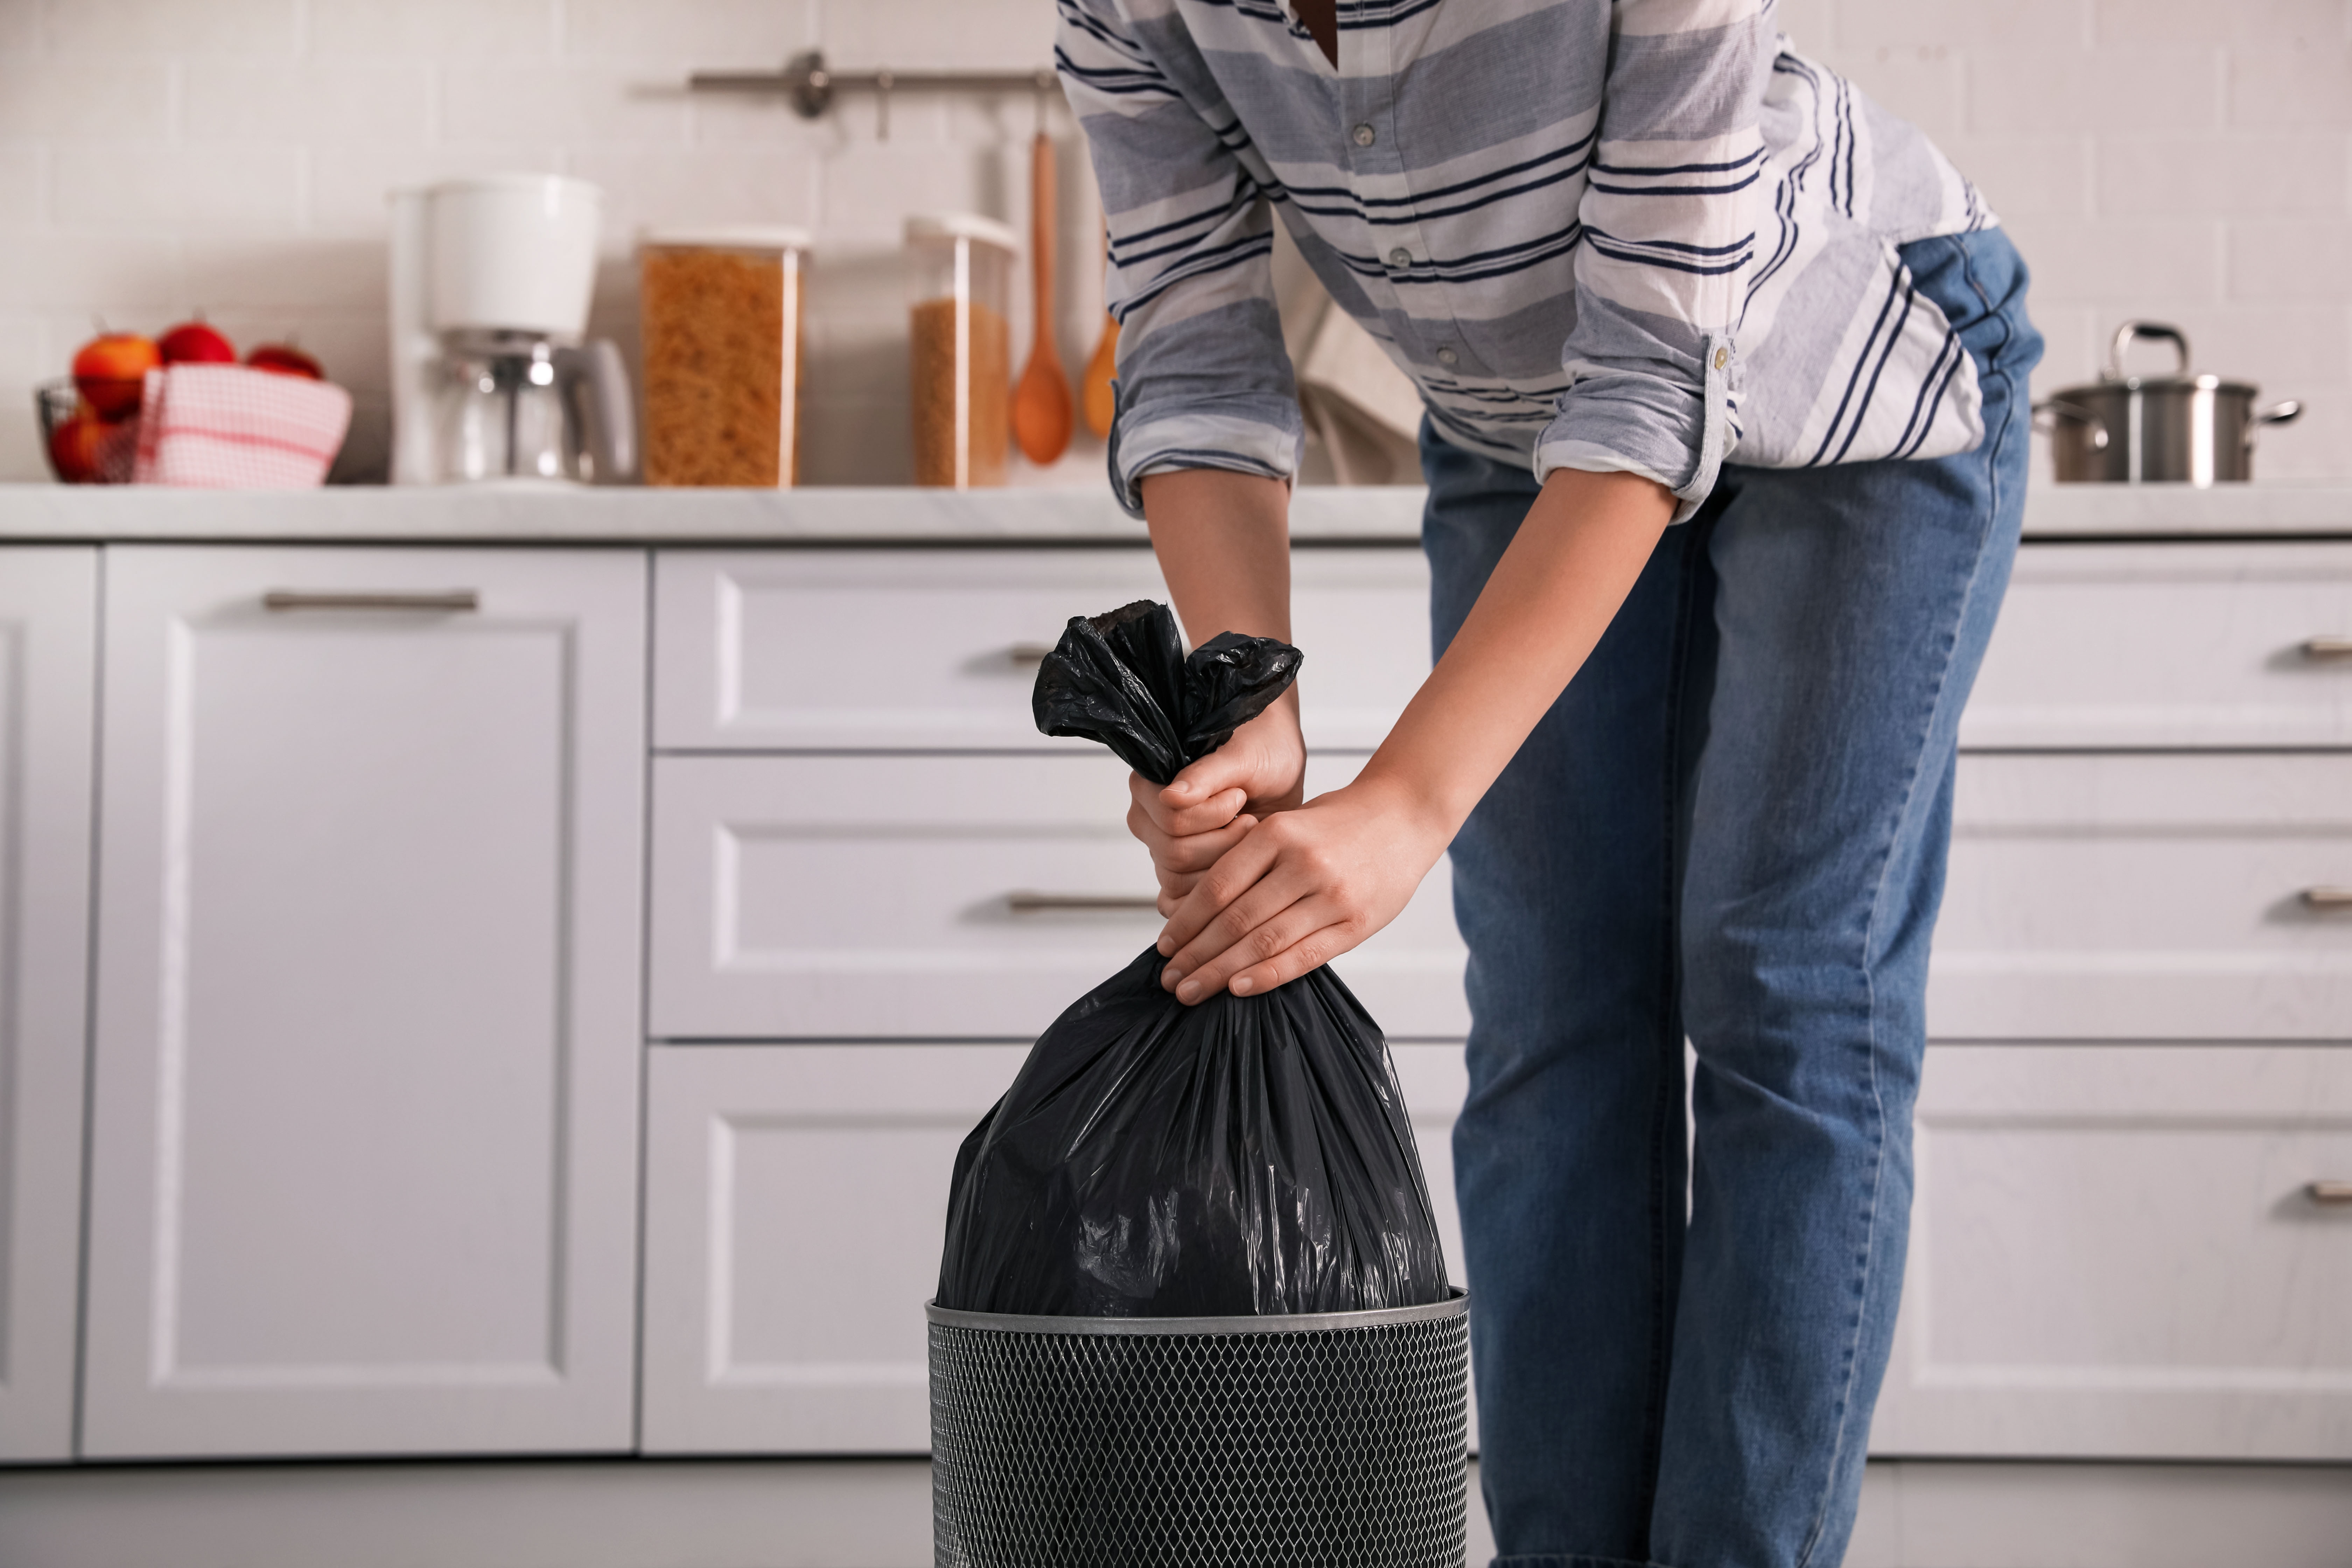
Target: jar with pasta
960,366
719,310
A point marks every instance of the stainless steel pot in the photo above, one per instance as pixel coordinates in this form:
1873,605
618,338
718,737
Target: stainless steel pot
2182,428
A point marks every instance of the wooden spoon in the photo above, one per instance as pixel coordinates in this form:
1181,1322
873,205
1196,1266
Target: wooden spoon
1042,415
1096,396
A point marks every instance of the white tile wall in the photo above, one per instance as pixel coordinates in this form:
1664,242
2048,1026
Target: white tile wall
2188,160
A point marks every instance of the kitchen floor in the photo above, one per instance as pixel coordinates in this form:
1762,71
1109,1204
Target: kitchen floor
869,1514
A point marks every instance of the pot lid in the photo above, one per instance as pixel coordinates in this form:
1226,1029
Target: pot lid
2107,386
2114,378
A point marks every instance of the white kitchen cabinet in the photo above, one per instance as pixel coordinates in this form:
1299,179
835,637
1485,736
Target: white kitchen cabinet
364,1174
795,1202
2122,896
48,654
1436,1083
784,650
972,897
2116,1251
2104,647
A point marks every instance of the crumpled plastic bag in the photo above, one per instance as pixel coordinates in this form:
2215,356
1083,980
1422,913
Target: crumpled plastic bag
1250,1155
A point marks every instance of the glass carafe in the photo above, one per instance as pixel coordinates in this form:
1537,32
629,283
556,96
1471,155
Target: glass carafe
517,406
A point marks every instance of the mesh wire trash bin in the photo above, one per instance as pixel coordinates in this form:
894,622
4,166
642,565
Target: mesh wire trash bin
1332,1440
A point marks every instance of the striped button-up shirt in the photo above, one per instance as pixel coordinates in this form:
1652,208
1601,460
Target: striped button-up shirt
1643,235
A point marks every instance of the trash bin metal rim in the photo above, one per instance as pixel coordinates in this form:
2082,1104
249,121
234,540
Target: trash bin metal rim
1456,1303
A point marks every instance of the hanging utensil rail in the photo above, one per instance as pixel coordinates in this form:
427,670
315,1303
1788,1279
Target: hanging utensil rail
811,83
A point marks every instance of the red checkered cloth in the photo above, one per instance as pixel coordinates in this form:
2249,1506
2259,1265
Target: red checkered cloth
229,427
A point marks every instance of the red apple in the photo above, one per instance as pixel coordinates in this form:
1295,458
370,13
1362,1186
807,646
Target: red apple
112,370
73,448
195,342
285,359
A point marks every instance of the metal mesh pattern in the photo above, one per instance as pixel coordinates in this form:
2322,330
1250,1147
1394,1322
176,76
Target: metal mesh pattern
1323,1447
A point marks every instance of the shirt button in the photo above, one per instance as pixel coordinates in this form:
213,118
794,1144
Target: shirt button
1722,358
1400,256
1364,135
1447,356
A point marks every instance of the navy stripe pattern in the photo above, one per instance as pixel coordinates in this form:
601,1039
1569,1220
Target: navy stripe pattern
1637,235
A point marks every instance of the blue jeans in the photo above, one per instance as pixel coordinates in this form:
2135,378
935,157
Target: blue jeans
1730,828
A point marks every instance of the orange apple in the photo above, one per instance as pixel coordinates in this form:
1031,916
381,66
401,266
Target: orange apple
112,371
195,342
285,359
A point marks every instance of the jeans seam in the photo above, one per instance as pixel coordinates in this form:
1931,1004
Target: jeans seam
1661,1341
1991,447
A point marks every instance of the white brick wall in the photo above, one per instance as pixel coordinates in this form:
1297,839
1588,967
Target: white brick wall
2188,160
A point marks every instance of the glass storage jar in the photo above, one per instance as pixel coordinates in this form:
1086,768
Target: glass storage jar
721,313
960,369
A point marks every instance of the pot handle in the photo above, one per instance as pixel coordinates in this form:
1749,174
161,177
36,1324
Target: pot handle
2285,411
2129,330
2049,412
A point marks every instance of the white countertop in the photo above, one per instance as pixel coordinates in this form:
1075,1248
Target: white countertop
377,514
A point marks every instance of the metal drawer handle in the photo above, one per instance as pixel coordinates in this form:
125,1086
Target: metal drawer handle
1100,903
1029,652
2328,647
2327,898
457,601
2329,1192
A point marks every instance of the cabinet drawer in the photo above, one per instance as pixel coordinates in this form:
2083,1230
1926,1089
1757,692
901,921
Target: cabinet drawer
795,1200
2136,897
827,898
935,649
2116,1253
2172,645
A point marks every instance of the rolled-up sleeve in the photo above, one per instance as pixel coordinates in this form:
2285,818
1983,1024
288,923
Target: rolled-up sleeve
1670,215
1203,382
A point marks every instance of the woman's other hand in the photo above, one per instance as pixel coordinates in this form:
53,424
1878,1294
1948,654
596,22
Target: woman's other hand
1210,805
1299,889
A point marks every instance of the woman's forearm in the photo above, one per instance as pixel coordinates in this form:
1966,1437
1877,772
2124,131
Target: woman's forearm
1224,544
1555,591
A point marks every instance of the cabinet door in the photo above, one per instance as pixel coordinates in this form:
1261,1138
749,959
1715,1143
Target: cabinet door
48,625
363,1172
1434,1084
2189,897
962,897
2129,1252
934,648
795,1199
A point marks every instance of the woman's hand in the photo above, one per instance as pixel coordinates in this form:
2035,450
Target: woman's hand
1300,889
1210,805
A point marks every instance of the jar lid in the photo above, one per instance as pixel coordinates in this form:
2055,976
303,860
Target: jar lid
553,187
726,236
961,225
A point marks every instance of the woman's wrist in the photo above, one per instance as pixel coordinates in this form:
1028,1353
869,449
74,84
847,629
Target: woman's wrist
1420,805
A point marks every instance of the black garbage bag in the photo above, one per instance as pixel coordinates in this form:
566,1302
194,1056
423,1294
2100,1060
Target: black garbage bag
1249,1156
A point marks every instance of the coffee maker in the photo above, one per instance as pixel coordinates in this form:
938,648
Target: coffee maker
493,378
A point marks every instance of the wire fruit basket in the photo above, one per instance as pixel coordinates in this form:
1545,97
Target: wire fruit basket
1257,1442
82,448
